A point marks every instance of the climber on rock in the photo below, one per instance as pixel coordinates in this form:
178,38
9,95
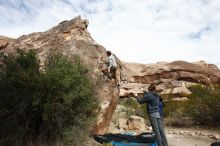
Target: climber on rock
113,67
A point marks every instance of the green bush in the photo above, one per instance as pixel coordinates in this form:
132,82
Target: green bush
204,105
130,105
173,108
134,108
43,104
174,113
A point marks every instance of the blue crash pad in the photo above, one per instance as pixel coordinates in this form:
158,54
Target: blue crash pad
127,139
131,144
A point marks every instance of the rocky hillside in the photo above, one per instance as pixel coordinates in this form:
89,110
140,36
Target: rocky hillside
171,79
168,77
70,38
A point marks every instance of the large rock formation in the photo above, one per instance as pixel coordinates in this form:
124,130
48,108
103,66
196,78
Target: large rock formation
178,70
168,78
4,41
71,37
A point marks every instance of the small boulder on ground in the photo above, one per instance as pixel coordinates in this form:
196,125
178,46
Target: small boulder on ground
122,123
136,123
181,91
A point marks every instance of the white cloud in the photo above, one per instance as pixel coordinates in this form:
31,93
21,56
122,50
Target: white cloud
136,30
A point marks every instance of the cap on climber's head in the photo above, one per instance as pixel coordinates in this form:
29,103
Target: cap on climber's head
108,53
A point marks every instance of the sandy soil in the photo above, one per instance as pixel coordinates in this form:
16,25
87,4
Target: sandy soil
188,136
192,136
186,140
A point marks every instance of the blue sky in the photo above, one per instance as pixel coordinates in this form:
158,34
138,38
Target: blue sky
143,31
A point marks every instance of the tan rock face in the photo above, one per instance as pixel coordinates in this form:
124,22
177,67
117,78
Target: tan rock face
136,123
205,64
122,123
128,89
72,38
168,78
181,91
4,42
178,70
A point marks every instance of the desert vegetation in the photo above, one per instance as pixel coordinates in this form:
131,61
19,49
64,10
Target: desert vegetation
203,108
54,104
204,105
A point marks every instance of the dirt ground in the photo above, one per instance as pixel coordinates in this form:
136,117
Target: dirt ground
191,136
187,136
186,140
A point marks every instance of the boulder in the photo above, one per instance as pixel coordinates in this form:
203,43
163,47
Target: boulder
5,41
181,91
122,123
160,87
129,89
216,136
167,91
136,123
